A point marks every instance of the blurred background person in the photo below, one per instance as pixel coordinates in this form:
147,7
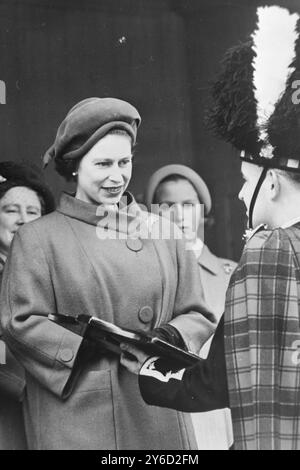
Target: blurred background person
24,197
180,190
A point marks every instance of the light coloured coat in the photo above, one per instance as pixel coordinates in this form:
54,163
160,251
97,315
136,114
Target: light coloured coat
78,397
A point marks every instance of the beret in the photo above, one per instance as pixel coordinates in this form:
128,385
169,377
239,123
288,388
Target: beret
87,122
185,172
18,174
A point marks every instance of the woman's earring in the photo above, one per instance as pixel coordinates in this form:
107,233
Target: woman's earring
75,173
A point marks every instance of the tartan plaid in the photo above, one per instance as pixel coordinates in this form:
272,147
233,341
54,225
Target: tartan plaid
262,333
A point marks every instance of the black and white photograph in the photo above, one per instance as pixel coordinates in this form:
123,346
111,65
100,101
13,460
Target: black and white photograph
149,227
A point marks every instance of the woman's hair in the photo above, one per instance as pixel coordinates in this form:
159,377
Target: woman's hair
7,185
66,168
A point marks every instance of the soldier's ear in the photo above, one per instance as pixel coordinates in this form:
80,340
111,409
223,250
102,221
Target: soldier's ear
274,186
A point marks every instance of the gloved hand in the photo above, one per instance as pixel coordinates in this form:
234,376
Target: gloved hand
170,334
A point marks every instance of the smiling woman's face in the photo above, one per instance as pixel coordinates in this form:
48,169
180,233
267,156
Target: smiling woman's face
18,206
105,171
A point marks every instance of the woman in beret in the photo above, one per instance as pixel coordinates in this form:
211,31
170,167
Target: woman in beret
24,197
90,257
179,191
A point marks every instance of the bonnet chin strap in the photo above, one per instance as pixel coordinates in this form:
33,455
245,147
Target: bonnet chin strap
255,194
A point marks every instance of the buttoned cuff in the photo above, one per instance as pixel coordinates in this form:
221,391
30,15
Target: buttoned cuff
67,365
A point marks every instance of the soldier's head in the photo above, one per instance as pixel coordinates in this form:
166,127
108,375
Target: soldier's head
278,199
255,108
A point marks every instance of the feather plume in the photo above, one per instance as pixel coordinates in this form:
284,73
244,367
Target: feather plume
232,116
252,104
284,124
274,43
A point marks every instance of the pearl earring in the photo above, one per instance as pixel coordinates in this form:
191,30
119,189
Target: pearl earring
75,173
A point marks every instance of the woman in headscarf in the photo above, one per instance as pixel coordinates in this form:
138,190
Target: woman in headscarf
24,197
90,257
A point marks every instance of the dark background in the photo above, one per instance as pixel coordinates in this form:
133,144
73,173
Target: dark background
160,55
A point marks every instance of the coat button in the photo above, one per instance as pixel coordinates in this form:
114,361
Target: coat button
134,244
66,355
146,314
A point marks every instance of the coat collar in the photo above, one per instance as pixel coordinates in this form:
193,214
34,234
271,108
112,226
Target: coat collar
123,220
209,261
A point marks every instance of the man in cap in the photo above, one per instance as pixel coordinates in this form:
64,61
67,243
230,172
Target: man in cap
254,364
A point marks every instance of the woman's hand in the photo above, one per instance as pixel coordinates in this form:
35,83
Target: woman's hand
132,358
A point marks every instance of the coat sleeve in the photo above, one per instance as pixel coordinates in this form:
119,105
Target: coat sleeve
12,376
47,351
197,389
192,317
